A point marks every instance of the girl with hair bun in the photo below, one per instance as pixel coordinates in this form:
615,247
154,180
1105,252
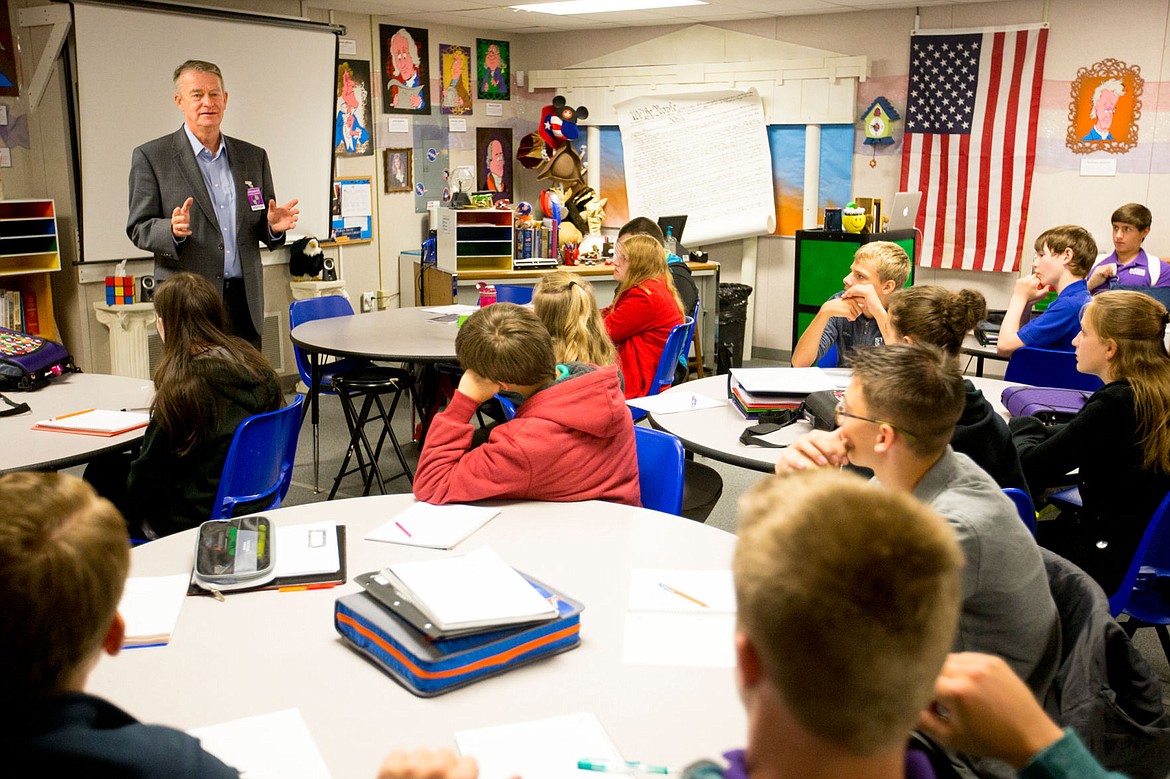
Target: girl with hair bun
1119,442
942,318
567,306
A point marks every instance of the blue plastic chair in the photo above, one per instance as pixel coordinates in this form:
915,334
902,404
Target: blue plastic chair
1023,507
664,374
1048,368
328,307
829,360
519,294
259,461
509,408
1137,597
661,470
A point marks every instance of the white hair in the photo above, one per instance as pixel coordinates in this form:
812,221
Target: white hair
1113,85
411,47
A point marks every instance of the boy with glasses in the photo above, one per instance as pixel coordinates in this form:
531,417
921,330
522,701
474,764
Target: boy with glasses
897,418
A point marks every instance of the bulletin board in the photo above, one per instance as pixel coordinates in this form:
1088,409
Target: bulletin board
351,211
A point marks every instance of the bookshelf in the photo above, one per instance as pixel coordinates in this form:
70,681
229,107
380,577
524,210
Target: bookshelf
29,251
474,239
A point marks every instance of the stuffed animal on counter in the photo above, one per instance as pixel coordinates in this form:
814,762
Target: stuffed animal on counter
306,258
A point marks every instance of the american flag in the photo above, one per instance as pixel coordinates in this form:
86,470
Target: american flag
970,143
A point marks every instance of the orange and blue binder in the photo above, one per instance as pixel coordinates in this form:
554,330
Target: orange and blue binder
432,666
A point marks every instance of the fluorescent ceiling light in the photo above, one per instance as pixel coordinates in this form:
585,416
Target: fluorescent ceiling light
570,7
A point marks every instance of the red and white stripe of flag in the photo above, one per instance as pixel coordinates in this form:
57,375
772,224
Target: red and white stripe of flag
976,187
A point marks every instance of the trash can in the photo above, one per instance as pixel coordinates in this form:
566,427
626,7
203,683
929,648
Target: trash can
729,335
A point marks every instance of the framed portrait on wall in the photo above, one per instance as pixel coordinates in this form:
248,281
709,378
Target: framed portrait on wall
493,151
351,134
1105,106
404,69
493,69
8,83
396,166
455,62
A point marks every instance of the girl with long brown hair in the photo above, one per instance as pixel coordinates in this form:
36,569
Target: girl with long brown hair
206,383
1119,441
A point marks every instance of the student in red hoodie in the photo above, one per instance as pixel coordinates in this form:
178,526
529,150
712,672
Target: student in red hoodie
644,310
572,437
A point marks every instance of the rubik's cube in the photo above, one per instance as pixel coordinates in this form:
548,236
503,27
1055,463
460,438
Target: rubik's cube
119,290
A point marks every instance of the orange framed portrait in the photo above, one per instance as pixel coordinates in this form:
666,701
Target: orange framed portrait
1104,109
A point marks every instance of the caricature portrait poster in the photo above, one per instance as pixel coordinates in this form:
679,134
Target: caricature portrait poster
351,134
493,69
404,70
1105,108
493,149
456,64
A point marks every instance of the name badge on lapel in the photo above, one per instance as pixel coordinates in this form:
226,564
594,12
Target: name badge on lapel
255,197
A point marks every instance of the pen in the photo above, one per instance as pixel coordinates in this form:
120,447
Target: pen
620,767
304,587
404,530
136,408
673,591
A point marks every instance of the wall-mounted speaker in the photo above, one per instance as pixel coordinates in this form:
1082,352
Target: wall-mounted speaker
148,287
329,269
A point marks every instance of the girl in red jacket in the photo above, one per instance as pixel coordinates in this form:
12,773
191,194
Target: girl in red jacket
644,310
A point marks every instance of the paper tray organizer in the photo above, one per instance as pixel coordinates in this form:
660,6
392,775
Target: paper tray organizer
432,667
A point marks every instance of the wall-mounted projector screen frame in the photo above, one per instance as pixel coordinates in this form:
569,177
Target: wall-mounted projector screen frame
279,74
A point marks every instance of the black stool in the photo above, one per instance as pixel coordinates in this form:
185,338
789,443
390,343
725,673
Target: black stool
370,383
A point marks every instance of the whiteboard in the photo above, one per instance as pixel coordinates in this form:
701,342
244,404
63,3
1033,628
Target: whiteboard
704,155
280,85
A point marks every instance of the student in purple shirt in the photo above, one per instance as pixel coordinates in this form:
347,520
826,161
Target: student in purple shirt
837,643
1129,266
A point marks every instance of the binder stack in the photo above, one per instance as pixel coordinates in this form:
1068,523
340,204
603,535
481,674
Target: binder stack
438,625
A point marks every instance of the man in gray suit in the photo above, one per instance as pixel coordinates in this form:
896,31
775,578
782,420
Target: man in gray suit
203,202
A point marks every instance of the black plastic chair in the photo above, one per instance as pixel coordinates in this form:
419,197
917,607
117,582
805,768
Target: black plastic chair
370,384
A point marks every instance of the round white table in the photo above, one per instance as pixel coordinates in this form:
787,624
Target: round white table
44,450
396,334
264,651
715,432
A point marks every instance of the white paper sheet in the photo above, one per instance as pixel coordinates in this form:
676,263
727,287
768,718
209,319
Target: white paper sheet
302,550
433,527
547,748
703,640
705,155
267,746
680,617
787,381
471,588
150,606
455,308
98,421
675,402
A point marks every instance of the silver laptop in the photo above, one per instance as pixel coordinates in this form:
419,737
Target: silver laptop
904,211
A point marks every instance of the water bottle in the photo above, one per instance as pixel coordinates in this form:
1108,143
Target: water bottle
487,293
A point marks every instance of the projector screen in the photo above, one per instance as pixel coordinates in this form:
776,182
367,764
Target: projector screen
280,86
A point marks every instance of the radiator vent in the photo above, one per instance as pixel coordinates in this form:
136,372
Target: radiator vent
273,327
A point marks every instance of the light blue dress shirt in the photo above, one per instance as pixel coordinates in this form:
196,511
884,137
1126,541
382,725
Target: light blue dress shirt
221,187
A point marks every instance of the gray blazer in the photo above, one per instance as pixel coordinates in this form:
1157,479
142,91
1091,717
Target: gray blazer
163,174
